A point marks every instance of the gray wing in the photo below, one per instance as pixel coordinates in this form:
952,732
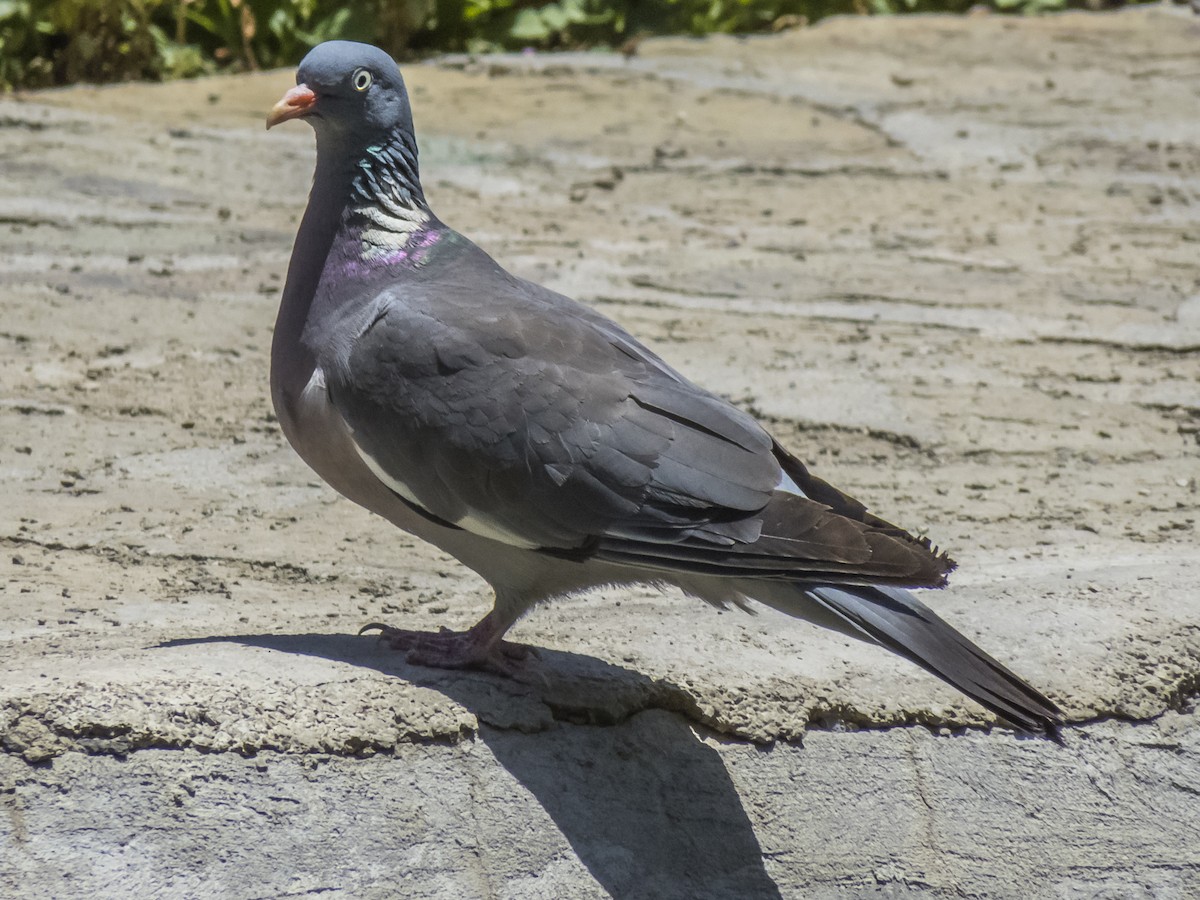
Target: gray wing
535,421
534,418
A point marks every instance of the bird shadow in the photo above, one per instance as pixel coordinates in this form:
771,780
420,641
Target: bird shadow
647,805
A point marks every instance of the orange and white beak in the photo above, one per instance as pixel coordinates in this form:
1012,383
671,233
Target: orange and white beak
295,103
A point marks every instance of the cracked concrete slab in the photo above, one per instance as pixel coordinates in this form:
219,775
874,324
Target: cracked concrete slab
951,261
650,808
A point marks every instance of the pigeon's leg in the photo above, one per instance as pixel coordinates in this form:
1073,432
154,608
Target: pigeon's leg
480,647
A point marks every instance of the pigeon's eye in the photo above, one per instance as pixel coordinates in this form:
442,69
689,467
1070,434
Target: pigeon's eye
361,80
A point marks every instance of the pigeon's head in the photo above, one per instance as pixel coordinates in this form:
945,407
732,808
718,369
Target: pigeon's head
348,91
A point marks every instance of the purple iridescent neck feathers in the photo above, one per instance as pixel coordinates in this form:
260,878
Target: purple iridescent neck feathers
386,222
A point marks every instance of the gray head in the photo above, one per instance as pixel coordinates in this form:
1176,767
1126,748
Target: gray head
352,94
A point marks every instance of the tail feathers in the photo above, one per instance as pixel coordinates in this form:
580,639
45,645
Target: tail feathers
899,621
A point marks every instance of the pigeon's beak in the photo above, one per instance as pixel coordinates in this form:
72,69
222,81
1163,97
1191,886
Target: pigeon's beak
295,103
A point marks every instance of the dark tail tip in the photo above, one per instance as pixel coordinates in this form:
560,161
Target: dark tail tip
899,621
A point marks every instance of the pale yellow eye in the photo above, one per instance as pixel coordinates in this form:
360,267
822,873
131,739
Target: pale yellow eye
362,80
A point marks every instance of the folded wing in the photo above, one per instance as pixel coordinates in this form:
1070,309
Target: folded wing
546,426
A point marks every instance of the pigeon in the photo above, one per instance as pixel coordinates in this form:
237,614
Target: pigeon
541,444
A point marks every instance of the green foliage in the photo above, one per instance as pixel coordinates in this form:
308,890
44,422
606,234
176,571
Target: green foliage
510,24
46,42
57,41
1030,6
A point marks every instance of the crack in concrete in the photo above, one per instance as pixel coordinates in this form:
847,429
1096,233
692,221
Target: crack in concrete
133,553
1184,348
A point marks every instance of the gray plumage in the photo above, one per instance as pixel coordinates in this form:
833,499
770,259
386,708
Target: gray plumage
539,442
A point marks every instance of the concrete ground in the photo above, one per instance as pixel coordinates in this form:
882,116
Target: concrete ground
954,263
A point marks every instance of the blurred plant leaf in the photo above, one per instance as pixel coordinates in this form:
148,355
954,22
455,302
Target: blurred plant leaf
45,42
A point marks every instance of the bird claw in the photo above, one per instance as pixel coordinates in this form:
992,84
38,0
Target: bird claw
448,649
518,652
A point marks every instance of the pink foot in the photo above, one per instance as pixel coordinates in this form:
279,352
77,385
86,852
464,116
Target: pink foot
478,648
